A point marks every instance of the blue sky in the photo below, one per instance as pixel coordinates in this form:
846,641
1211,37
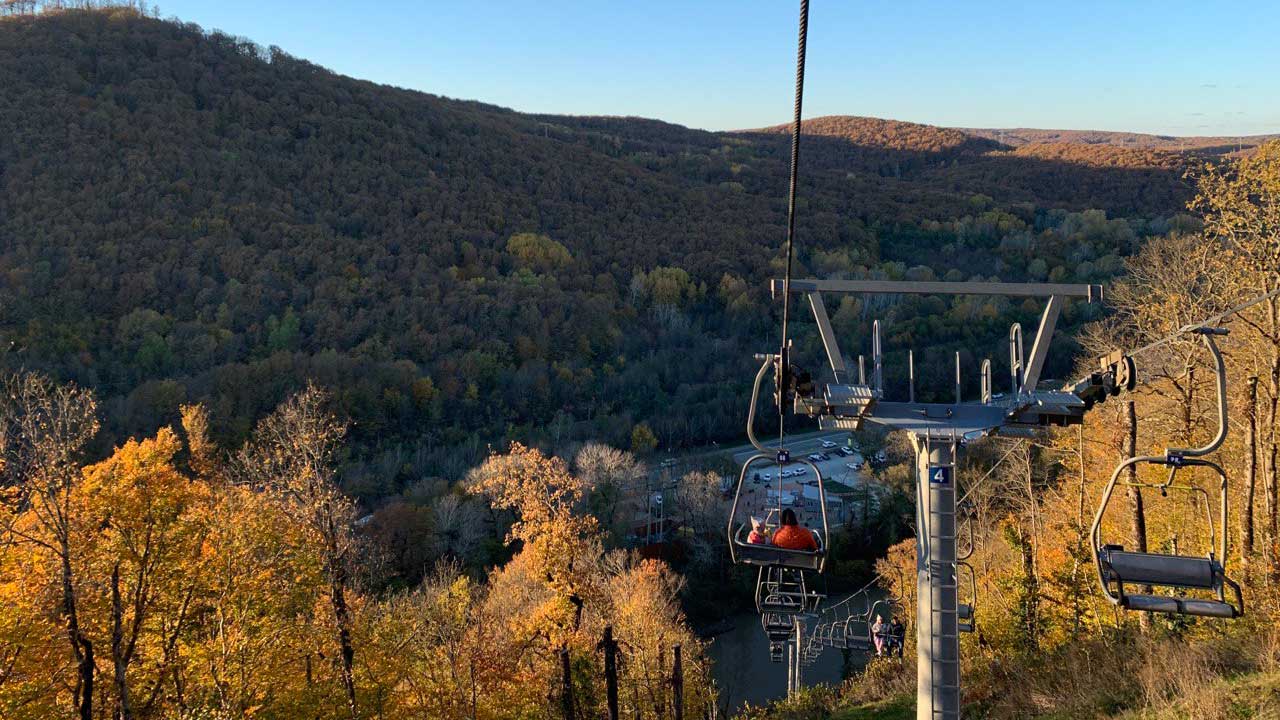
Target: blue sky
1173,67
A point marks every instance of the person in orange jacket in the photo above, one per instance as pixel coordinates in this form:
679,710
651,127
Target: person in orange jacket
791,535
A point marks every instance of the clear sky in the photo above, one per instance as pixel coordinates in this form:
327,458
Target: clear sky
1182,67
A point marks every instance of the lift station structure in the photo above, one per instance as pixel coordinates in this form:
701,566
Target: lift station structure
937,430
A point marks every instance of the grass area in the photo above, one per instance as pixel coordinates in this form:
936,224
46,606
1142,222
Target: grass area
902,707
1255,695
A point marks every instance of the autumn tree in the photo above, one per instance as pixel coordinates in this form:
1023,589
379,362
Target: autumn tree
144,530
614,481
543,495
1240,202
291,456
46,428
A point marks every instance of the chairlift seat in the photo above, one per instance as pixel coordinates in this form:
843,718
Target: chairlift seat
766,555
1180,606
1135,568
782,603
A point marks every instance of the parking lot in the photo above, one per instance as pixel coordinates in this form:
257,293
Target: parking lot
799,485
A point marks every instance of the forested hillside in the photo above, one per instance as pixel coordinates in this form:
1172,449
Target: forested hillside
186,216
315,392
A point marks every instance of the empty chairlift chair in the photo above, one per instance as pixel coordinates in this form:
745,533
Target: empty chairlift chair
838,639
857,633
857,627
782,590
779,628
1119,569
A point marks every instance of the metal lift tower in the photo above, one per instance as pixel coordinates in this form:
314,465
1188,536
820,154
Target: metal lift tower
937,431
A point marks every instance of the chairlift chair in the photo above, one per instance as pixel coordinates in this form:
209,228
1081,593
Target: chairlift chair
839,640
766,554
1118,568
782,590
778,627
888,608
857,633
776,651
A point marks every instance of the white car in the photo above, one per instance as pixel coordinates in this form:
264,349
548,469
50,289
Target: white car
801,471
827,444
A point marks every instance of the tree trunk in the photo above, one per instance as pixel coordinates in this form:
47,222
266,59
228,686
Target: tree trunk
1030,590
119,659
1273,570
1251,473
342,617
81,647
1137,514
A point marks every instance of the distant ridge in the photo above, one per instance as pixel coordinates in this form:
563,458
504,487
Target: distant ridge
920,137
1025,136
888,134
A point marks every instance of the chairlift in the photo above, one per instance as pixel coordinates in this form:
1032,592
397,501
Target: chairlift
778,627
777,650
1118,567
857,633
884,607
837,637
781,590
764,554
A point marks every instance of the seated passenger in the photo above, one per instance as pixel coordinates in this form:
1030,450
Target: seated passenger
897,636
791,536
759,532
880,634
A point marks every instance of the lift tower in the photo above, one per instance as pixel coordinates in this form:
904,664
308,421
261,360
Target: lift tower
937,432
